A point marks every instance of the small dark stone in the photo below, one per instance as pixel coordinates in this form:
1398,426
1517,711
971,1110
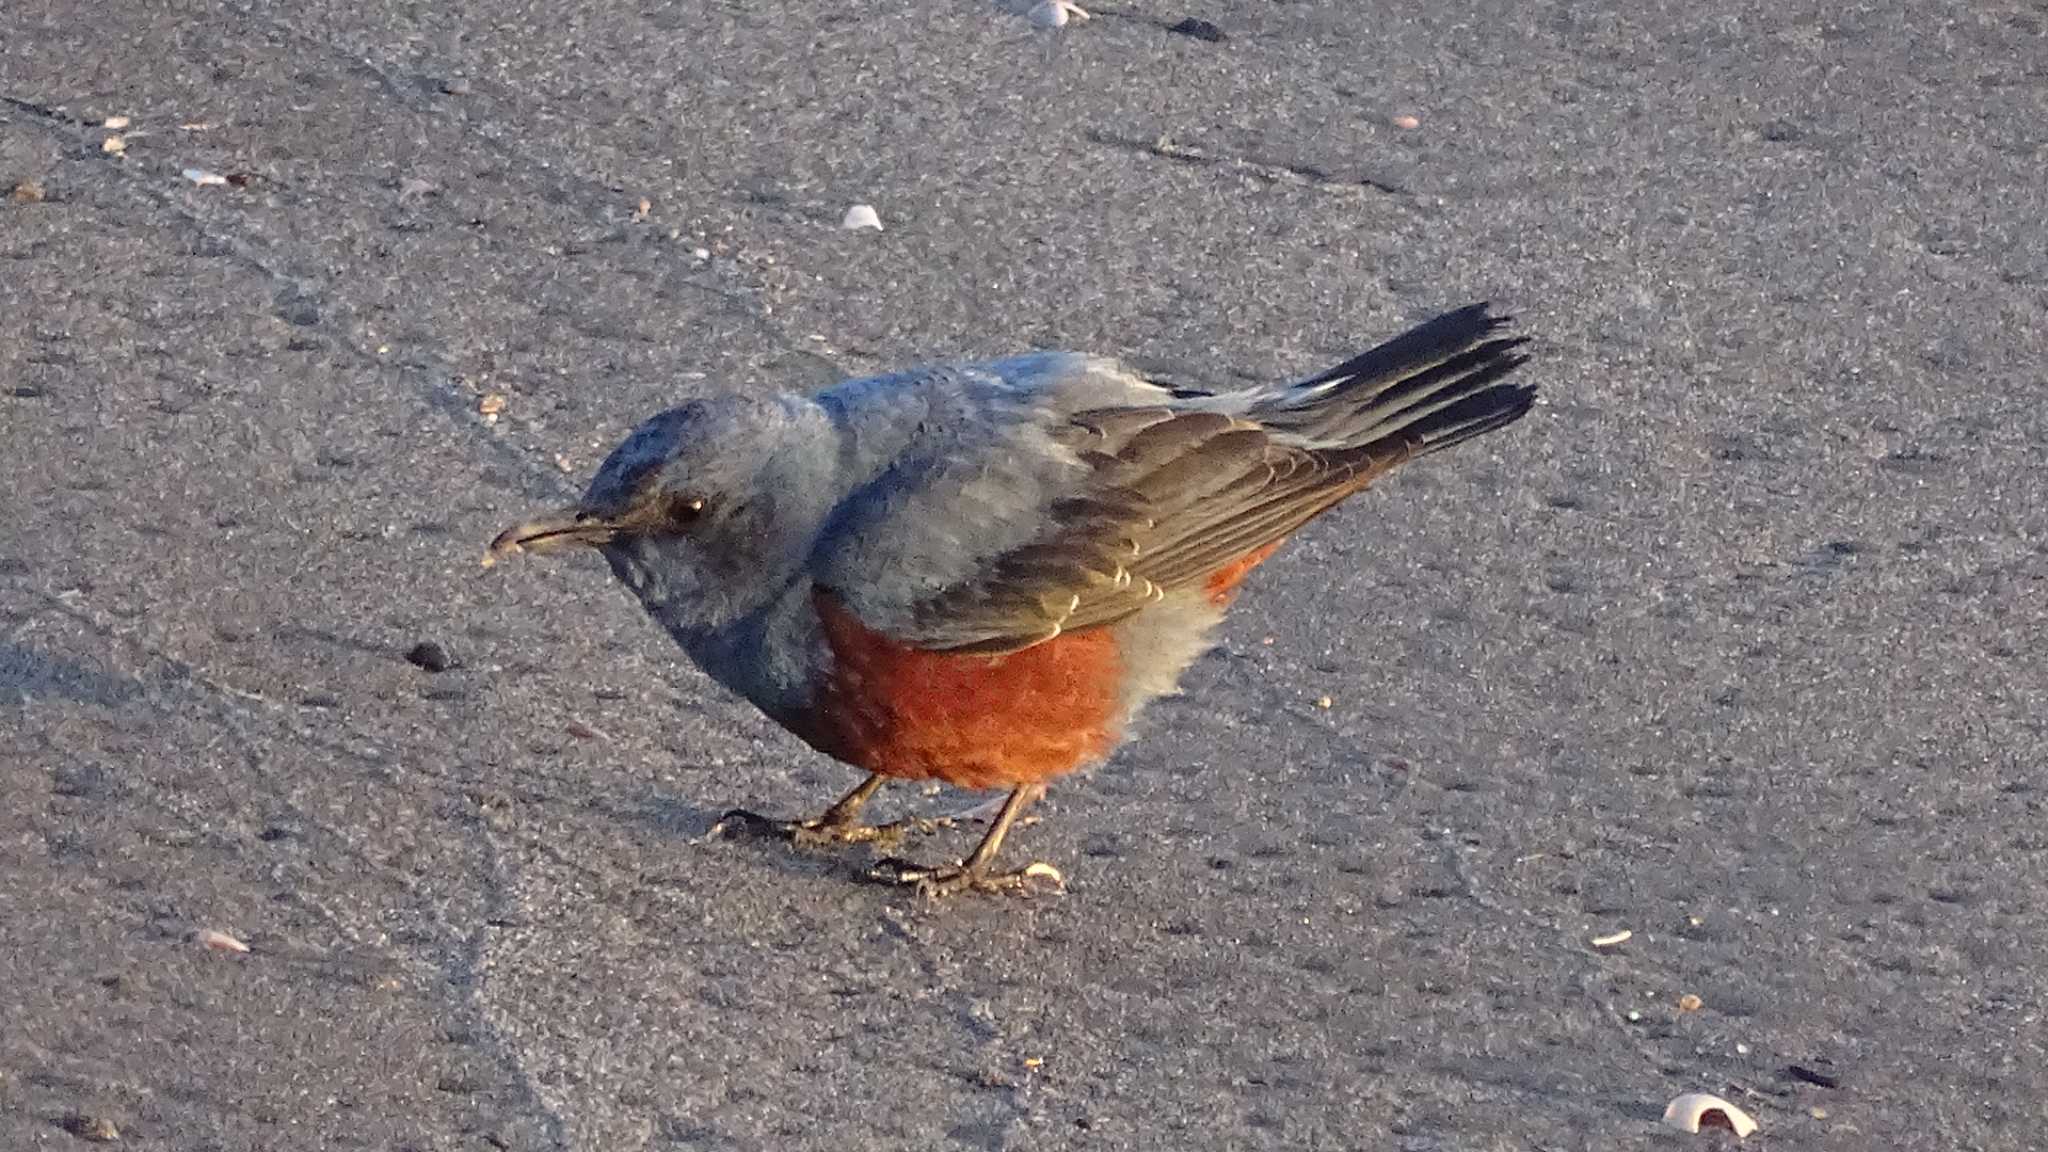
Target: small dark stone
320,700
1808,1075
29,391
1782,131
300,313
81,780
455,86
1199,29
430,656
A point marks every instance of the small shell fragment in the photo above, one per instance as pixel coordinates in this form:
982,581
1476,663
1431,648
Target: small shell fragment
1690,1003
219,941
491,404
1053,13
1696,1110
1612,939
861,216
202,177
116,123
1040,870
1407,122
97,1129
1325,703
113,145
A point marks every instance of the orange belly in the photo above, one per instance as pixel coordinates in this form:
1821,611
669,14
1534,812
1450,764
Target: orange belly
971,720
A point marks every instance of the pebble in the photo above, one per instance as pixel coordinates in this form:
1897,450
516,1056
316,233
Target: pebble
430,656
1811,1076
1200,30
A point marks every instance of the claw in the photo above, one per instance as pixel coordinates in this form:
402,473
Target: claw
937,883
812,833
740,822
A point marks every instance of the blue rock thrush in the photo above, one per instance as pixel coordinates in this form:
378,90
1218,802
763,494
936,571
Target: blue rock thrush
981,573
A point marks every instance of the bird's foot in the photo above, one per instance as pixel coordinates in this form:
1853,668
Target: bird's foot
937,883
821,832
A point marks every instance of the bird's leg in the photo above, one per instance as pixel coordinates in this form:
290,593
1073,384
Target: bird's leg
982,813
840,824
977,873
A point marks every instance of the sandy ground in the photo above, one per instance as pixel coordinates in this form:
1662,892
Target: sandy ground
1734,643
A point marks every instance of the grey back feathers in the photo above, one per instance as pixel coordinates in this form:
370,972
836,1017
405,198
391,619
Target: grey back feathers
1074,493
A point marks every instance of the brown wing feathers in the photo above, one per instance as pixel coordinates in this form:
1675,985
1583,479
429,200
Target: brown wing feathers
1180,490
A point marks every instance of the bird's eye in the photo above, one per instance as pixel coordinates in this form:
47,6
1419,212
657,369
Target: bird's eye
686,510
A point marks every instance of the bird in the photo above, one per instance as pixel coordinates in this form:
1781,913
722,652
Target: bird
980,573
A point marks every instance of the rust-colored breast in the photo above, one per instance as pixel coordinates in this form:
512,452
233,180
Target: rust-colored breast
974,721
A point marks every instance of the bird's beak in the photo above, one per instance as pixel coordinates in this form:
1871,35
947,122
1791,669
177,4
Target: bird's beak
551,533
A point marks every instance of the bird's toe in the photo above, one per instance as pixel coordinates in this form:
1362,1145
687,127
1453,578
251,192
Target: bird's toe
953,880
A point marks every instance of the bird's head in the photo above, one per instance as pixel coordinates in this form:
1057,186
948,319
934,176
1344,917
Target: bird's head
690,509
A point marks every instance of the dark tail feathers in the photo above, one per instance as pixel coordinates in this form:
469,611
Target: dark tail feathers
1436,385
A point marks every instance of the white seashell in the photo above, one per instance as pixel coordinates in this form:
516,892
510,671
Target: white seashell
1045,13
1695,1110
1054,13
861,216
